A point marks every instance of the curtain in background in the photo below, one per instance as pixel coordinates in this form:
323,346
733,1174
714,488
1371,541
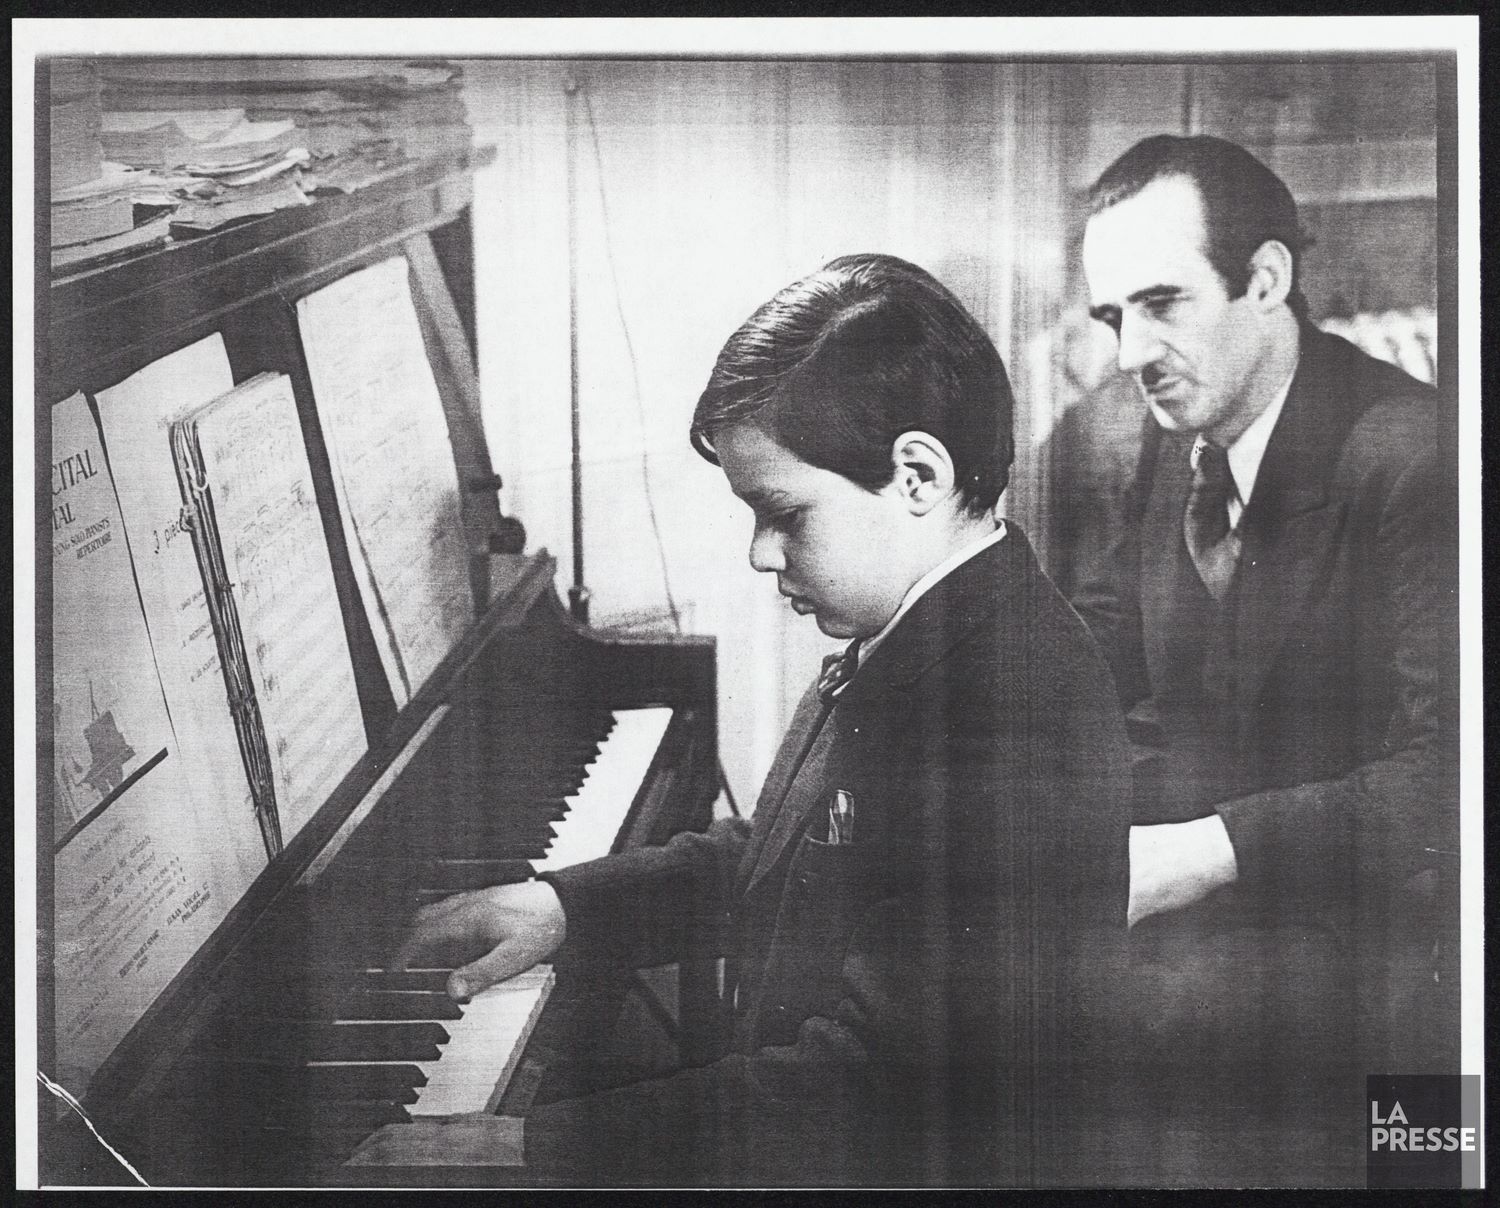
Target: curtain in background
701,188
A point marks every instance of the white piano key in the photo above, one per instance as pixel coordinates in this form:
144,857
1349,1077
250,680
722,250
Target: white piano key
597,811
484,1047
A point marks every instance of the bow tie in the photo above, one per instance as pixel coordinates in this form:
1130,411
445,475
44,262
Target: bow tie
838,670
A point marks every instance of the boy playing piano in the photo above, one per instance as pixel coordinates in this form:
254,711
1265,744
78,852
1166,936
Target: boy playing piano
925,914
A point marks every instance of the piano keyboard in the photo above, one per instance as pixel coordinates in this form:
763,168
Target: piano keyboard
596,812
484,1046
334,1055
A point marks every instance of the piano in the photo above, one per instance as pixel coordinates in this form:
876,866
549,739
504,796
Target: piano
287,1037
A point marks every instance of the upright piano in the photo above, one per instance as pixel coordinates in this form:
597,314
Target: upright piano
287,1037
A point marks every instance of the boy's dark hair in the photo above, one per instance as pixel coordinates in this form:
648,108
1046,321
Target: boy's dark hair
840,363
1244,202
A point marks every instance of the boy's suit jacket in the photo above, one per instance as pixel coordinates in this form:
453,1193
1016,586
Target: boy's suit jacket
914,1007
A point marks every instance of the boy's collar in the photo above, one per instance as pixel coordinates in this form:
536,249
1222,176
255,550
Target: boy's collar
918,589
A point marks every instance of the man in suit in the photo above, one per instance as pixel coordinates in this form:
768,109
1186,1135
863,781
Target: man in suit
1276,611
920,1000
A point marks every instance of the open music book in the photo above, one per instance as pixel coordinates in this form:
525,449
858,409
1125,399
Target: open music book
248,499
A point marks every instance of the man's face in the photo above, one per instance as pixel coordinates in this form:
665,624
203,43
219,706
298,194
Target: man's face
1191,349
828,541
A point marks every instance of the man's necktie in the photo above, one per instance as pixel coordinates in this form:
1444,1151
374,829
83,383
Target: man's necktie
838,670
1214,546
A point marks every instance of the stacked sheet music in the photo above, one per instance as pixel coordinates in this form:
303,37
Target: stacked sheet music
87,203
188,145
356,117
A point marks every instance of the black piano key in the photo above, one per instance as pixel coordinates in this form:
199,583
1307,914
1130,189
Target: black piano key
396,1082
518,837
495,822
399,1004
425,897
294,1080
404,979
480,746
386,1040
508,835
467,782
456,875
289,1040
332,955
289,1101
418,831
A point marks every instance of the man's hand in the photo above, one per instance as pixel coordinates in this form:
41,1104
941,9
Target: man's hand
1174,864
500,931
475,1139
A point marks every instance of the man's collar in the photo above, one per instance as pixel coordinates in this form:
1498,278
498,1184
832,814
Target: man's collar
1249,448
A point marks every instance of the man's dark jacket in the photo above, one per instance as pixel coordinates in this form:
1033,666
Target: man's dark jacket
1312,709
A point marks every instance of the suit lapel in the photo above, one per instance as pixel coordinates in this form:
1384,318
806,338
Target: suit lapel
801,797
1159,553
803,731
1290,525
935,624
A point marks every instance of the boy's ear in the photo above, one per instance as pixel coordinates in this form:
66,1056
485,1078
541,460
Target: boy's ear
923,471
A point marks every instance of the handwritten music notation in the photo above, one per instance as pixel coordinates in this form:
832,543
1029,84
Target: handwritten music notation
289,643
394,475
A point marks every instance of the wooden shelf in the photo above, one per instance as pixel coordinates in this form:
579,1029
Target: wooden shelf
104,322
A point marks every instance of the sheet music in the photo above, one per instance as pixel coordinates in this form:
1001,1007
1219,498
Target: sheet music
274,551
134,416
134,888
135,897
393,467
108,716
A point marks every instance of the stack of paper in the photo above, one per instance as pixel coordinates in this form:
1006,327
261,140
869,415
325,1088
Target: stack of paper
95,209
356,118
244,146
209,166
154,138
87,202
75,121
212,141
153,231
250,169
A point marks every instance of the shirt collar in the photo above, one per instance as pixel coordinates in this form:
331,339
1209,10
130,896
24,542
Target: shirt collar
1247,452
925,583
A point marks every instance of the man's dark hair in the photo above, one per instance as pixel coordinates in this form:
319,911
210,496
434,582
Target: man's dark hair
1244,202
838,364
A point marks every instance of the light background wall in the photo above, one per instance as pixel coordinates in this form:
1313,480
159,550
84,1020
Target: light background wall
703,187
